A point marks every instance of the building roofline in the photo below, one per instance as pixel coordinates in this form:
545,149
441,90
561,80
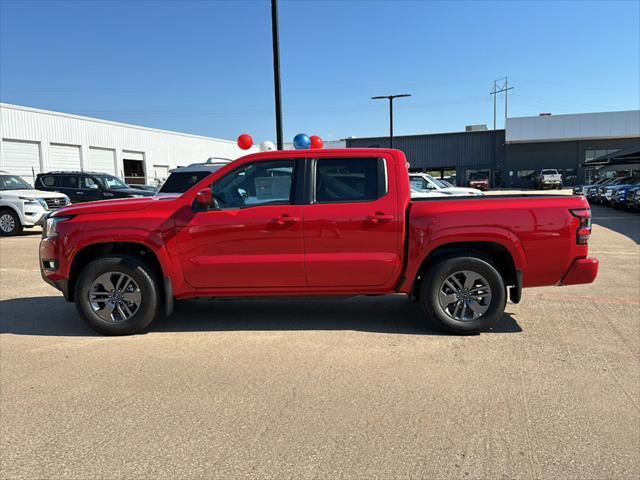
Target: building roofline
582,114
386,137
109,122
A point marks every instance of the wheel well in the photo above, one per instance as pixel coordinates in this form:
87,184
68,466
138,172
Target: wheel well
494,253
10,208
93,252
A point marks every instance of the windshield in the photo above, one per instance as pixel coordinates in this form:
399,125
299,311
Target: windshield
423,183
629,181
109,182
180,182
437,182
13,182
447,184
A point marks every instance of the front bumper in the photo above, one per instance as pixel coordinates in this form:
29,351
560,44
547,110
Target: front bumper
33,216
583,270
50,265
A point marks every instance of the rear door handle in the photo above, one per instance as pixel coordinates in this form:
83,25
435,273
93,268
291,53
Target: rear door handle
286,219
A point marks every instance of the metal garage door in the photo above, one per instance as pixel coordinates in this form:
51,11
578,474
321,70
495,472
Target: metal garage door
64,157
160,172
102,160
19,158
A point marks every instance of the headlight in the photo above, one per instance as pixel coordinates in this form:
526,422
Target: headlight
51,226
34,202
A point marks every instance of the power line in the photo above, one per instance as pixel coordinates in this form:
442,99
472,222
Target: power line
503,88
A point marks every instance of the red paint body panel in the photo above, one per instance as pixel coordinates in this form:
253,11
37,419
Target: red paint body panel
324,249
242,248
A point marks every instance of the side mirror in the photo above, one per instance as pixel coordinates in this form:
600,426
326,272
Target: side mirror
203,199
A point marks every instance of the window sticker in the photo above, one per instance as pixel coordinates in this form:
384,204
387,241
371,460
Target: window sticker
273,188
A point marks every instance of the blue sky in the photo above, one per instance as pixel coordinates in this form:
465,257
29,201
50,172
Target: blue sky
205,67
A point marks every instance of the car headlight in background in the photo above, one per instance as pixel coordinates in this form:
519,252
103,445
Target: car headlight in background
34,202
51,226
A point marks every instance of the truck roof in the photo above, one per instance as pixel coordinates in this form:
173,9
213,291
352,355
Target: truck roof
325,152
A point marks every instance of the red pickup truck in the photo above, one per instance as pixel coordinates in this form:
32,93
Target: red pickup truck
327,222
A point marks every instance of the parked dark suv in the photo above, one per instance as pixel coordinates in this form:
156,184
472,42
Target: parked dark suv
87,186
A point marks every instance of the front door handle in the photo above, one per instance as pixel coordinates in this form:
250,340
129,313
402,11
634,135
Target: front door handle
286,219
379,217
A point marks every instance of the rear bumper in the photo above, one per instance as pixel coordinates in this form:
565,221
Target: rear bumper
583,270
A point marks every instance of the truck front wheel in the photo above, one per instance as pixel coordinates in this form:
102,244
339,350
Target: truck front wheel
463,295
117,295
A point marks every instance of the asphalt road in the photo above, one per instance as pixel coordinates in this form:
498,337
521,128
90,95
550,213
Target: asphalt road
358,388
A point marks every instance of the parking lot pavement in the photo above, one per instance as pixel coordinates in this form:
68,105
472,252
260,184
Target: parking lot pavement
357,388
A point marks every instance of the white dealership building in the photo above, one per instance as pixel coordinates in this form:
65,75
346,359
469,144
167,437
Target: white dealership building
35,141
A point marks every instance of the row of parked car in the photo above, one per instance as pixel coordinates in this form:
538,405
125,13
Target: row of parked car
25,206
618,192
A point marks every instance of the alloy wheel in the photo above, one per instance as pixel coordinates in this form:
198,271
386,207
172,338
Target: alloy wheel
465,295
115,297
7,223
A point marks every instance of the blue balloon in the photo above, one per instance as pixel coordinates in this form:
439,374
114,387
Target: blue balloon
301,141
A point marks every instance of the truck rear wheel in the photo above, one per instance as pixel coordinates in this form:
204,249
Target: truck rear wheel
117,295
463,295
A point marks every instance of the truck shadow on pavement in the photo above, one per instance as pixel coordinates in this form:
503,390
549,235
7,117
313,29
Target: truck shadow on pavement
393,314
624,223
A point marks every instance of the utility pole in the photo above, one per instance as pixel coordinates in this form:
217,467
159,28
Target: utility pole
390,98
506,98
495,86
276,72
504,88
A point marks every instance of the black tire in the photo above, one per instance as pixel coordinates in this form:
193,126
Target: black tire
442,319
150,304
10,223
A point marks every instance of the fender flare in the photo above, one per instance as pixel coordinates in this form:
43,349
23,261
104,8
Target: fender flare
151,240
465,234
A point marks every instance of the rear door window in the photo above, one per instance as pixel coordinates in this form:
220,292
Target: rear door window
350,179
70,181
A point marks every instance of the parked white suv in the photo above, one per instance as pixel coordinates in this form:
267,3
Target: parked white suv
22,206
423,185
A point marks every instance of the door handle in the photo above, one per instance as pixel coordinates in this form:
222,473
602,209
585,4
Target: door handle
79,193
379,217
286,219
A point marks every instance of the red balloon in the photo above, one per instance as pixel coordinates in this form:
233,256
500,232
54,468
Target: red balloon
245,142
316,142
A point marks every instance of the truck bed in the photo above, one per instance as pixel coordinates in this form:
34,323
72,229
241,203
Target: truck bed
539,231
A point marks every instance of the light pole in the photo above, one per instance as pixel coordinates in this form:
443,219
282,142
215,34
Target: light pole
390,98
276,71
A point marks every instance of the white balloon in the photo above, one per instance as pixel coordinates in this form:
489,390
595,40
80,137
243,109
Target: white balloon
267,146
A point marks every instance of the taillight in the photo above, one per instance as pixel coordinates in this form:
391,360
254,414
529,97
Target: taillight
584,228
